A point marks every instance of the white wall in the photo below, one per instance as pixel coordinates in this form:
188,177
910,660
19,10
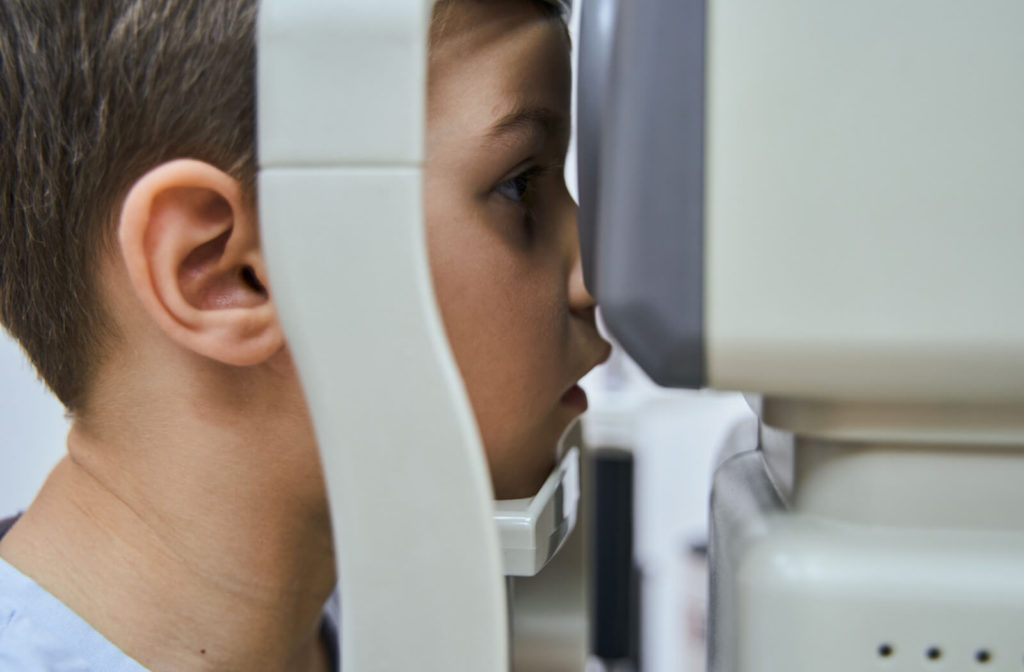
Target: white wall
32,429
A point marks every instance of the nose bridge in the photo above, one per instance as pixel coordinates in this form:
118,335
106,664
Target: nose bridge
579,297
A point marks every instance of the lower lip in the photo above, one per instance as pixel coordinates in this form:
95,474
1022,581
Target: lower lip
575,398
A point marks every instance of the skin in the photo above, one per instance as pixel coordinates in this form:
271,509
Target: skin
195,455
502,234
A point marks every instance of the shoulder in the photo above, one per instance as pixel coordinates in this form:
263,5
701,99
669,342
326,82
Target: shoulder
27,648
26,644
30,639
38,632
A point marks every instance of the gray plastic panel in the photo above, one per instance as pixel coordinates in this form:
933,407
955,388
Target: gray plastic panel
647,264
597,26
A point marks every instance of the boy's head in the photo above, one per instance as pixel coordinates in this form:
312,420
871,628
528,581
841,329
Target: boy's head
110,242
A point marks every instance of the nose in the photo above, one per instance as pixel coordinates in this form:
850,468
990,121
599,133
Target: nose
579,297
580,300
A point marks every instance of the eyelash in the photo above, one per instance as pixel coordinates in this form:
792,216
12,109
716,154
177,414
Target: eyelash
520,185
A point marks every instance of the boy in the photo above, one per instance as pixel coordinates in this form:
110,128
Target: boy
187,528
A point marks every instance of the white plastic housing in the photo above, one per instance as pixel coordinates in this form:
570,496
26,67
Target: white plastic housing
341,115
880,556
865,200
820,596
533,529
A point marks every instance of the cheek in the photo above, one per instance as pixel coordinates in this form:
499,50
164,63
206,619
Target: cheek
505,317
502,313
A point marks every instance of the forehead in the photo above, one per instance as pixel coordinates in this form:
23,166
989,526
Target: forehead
494,58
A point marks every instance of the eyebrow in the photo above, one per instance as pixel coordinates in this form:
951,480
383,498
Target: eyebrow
528,119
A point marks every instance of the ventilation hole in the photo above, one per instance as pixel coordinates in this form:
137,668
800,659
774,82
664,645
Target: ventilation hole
983,656
933,653
885,650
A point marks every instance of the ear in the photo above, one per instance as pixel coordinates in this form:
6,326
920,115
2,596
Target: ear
191,248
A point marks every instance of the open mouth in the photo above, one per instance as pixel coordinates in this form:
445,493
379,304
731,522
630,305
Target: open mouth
576,398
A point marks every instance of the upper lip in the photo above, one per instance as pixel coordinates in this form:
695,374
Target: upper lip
605,353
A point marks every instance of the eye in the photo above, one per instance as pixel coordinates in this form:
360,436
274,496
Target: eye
517,188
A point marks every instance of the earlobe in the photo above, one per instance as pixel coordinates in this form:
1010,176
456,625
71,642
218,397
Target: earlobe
190,245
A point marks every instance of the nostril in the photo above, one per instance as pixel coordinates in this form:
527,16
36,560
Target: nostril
586,313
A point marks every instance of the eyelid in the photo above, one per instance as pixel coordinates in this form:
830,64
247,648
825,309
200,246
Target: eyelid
531,172
531,166
520,168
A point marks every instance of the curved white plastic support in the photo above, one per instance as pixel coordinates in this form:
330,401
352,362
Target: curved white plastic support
534,529
341,114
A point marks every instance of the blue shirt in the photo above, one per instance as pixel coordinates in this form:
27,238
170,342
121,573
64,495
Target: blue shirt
38,632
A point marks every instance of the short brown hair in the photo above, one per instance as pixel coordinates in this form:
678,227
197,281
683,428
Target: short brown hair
440,19
94,93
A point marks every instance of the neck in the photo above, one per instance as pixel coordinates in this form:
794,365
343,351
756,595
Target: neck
204,545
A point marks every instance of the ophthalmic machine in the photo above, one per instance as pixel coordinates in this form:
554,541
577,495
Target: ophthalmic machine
820,204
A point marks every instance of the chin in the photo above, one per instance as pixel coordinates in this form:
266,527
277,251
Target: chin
520,489
518,478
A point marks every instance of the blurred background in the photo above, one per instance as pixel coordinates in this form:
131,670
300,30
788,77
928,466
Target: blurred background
33,429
